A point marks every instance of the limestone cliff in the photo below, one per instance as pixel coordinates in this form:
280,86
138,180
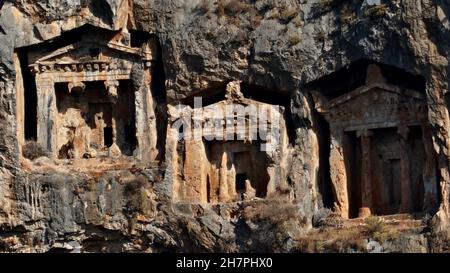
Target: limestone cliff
280,51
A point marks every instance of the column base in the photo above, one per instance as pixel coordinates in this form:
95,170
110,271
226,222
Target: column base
114,151
364,212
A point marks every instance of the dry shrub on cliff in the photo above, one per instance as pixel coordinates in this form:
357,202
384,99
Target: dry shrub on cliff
203,7
133,186
347,14
136,199
375,228
320,217
33,150
288,13
294,39
255,21
376,11
332,240
326,5
232,7
327,218
275,211
297,21
235,7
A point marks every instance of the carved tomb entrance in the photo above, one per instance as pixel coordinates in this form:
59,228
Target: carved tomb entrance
381,158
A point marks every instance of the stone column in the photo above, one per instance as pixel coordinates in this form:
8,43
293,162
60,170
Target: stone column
405,172
195,171
111,86
46,114
338,172
151,135
146,132
223,178
366,174
430,201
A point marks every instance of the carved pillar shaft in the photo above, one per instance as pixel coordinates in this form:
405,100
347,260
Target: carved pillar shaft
111,86
146,131
405,178
46,114
223,178
366,174
338,172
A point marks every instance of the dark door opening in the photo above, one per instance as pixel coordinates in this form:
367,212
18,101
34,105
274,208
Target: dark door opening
447,101
394,185
130,138
159,94
108,136
30,97
240,184
208,190
324,177
352,156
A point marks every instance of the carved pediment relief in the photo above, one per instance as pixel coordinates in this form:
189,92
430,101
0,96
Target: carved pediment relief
91,54
372,93
380,104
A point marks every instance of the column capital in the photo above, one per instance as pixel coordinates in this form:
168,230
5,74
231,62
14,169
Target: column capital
76,85
45,85
111,86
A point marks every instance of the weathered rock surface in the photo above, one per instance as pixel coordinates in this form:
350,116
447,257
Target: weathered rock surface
278,44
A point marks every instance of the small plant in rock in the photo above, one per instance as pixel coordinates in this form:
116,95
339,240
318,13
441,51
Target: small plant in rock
326,5
134,185
325,217
254,18
320,216
294,39
297,22
375,12
347,15
319,247
321,35
288,13
33,150
203,7
235,7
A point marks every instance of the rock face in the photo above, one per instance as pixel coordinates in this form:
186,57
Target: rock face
94,95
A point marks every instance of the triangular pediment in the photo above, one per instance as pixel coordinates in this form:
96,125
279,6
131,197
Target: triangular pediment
89,50
377,89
